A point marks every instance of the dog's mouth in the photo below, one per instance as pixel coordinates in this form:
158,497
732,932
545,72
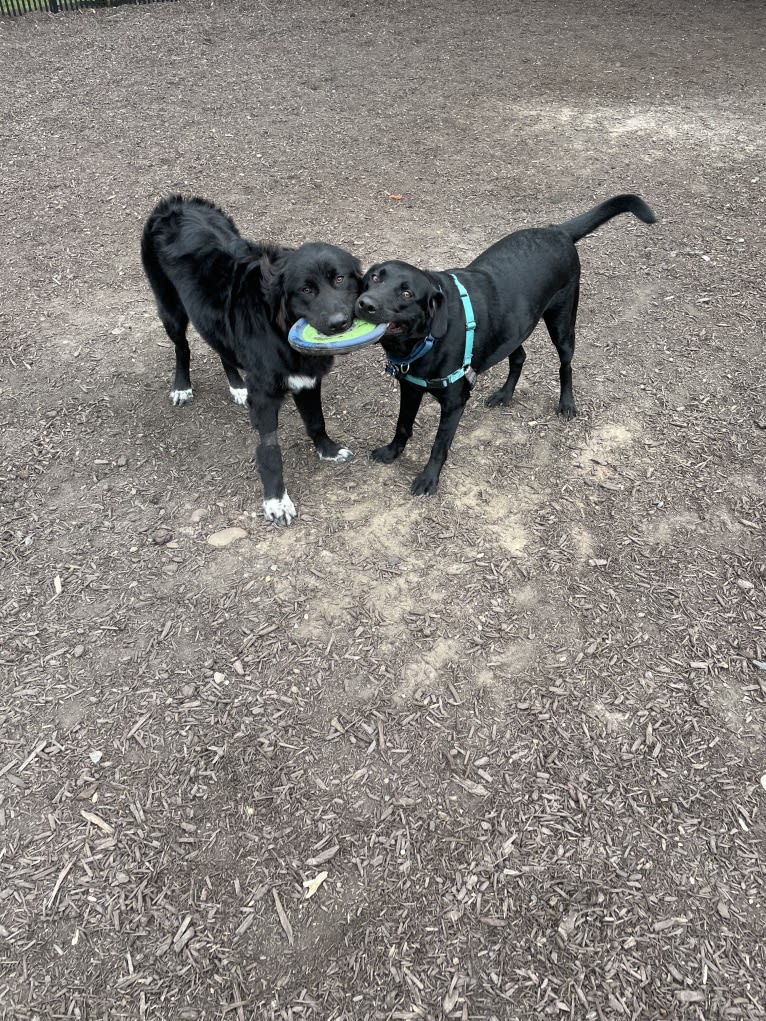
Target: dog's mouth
394,330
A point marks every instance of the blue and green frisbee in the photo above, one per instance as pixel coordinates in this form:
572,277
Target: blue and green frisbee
304,338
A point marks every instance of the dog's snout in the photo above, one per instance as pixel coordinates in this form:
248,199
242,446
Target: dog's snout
338,322
366,306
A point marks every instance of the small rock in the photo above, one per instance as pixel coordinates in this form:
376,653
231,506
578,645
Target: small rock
187,690
95,756
198,514
226,536
78,650
745,585
160,537
218,677
122,461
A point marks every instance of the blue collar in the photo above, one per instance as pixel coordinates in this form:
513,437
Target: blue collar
464,372
399,366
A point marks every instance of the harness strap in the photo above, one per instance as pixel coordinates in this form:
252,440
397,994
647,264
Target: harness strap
465,372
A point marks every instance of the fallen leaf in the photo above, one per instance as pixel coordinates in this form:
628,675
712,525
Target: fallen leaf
312,885
395,198
97,821
473,788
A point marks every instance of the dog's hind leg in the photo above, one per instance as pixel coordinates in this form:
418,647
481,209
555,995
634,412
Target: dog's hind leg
174,318
264,416
309,405
560,319
237,387
505,393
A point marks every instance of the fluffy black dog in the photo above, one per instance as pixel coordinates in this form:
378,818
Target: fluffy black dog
242,297
528,275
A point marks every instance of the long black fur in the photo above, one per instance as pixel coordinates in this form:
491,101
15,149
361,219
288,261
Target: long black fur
242,297
527,276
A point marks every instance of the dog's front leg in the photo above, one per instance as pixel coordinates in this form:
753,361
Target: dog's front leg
409,402
309,405
264,416
451,412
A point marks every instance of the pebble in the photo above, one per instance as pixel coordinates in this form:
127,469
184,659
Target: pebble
226,536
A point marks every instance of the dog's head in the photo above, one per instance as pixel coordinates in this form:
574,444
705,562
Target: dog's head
316,282
409,300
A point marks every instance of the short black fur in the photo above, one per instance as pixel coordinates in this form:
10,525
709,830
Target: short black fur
242,297
527,276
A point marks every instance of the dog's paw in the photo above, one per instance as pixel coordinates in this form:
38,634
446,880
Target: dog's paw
424,485
498,399
567,410
279,510
238,394
385,455
180,397
343,455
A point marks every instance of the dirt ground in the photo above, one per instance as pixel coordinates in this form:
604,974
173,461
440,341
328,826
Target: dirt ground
494,754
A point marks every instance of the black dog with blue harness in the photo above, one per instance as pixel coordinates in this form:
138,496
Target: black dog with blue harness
455,325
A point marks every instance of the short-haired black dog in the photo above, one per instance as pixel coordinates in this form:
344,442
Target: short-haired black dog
446,328
242,297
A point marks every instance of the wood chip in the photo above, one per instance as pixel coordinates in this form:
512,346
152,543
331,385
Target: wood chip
284,921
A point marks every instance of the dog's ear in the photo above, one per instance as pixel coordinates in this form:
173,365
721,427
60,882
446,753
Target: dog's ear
357,271
273,264
437,306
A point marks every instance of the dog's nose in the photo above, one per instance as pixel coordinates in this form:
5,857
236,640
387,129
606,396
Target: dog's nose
338,322
366,306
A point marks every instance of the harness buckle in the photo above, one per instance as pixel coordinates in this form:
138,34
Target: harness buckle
470,376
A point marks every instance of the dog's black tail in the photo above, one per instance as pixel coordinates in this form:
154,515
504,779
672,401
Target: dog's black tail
590,221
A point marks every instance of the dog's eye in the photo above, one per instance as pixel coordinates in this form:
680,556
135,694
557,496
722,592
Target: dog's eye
307,290
407,294
375,278
339,280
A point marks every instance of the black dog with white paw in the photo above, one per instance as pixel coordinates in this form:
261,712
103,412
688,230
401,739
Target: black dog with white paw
242,297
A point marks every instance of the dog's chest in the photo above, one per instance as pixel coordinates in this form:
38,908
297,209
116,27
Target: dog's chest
300,382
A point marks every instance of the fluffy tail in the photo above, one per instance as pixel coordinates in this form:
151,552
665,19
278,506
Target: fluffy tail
590,221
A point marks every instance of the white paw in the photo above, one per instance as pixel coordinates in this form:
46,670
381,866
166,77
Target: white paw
281,511
295,383
181,397
238,394
344,454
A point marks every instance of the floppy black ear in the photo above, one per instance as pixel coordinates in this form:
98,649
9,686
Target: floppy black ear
437,306
273,265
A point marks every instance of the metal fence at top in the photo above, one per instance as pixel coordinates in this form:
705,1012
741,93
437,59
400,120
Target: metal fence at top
13,8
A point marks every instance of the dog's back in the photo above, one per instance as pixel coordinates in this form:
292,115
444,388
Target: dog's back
190,237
